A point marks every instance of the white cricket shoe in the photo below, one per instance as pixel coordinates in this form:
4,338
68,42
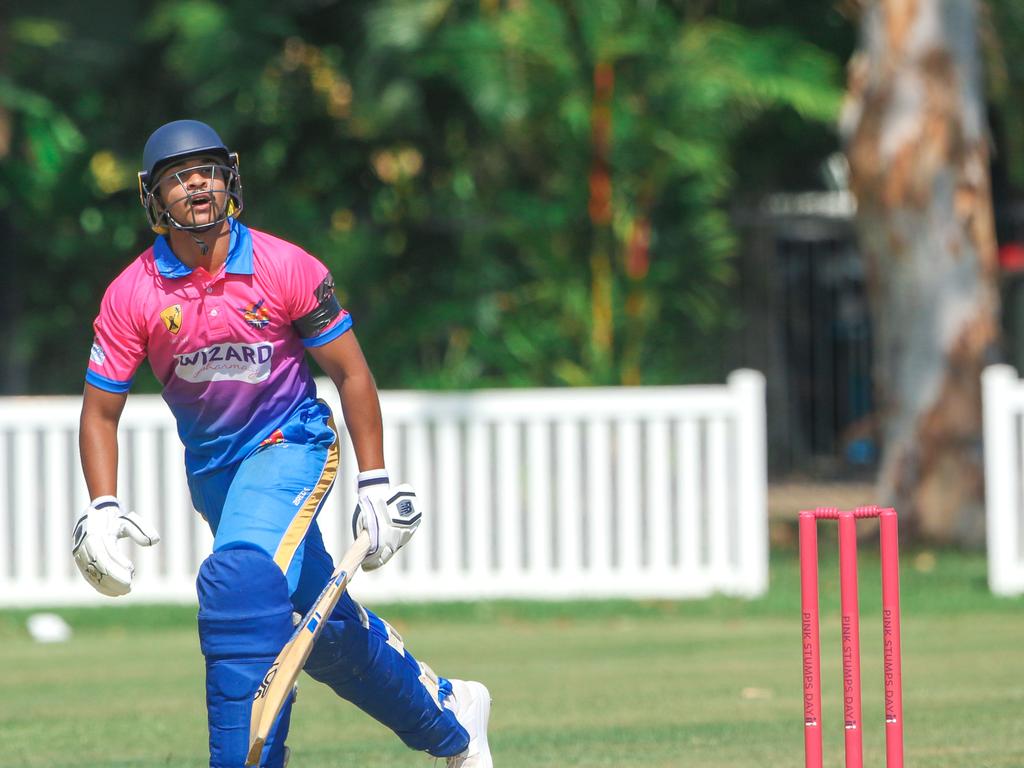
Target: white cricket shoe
471,703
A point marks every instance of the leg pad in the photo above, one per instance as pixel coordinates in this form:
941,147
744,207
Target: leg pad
365,662
244,621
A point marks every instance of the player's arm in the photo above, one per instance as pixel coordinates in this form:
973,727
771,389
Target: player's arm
105,520
97,439
342,360
390,515
116,352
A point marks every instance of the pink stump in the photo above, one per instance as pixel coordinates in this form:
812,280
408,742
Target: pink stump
892,670
852,720
811,647
851,638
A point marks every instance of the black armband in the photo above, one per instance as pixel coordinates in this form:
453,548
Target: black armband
327,308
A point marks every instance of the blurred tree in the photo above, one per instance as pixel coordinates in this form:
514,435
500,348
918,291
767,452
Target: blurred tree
918,148
508,192
11,374
557,280
54,183
1002,32
41,148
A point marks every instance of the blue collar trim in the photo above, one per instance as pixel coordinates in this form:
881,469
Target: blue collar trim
240,249
168,264
239,261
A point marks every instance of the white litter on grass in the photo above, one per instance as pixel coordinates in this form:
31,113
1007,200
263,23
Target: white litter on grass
48,628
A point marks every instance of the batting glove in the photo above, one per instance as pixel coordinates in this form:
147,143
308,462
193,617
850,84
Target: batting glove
95,549
390,515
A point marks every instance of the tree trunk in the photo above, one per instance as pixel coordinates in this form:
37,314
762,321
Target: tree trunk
917,142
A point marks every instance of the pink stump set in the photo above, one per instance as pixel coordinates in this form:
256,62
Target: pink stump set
851,633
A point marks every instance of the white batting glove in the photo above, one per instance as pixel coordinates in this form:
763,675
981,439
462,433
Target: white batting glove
95,550
374,483
390,515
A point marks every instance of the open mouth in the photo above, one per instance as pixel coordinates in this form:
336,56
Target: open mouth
200,201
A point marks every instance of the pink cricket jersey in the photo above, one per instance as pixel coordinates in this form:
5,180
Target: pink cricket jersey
228,348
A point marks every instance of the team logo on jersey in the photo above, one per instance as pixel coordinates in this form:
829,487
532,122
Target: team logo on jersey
172,318
249,363
256,314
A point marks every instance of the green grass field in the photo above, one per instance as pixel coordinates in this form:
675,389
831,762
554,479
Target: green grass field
710,684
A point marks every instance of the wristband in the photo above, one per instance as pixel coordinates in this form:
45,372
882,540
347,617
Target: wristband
372,477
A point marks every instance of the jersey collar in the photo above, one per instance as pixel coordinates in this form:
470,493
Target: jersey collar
239,261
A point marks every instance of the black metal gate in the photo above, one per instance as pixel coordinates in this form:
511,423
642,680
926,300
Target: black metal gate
808,327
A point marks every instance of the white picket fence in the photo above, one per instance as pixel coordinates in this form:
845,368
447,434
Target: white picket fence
1003,398
638,492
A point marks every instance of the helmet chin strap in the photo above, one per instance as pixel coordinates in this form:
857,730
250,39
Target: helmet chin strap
193,232
200,243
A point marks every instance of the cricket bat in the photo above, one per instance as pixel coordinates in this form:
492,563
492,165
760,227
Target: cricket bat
277,684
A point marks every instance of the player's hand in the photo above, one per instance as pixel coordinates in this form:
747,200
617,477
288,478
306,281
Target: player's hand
390,515
95,550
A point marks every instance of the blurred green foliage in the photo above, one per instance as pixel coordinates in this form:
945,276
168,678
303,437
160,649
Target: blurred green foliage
508,192
1002,32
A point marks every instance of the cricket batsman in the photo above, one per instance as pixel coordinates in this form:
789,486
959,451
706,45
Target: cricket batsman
225,315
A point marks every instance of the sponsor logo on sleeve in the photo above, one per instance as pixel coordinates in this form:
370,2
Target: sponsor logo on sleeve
172,318
96,354
249,363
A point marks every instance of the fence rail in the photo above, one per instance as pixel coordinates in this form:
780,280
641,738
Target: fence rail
639,492
1003,399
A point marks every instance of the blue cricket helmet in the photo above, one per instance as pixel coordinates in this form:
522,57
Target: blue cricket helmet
173,142
179,139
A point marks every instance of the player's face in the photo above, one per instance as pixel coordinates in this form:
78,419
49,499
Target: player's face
194,191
